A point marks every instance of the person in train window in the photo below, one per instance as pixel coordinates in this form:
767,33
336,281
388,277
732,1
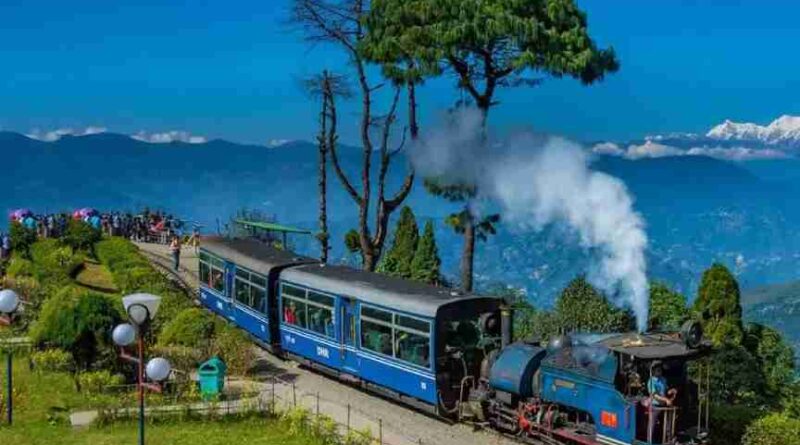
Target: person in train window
329,327
216,280
316,324
290,314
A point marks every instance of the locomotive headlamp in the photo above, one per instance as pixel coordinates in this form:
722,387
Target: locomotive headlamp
692,334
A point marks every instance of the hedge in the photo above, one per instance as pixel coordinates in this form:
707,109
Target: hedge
774,429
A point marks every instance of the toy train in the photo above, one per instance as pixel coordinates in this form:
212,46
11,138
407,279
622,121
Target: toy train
451,354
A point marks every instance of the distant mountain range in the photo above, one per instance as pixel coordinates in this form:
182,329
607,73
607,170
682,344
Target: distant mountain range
783,131
698,209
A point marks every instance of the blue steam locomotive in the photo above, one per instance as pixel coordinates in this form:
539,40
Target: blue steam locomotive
451,354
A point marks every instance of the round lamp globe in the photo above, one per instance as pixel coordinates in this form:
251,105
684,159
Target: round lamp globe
9,301
158,369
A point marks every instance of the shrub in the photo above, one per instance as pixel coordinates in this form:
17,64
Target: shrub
21,237
728,423
298,419
41,249
56,325
52,360
181,357
97,382
233,347
133,273
54,263
325,430
774,429
79,322
80,235
19,267
359,437
190,327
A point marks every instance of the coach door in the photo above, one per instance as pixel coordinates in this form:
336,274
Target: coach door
230,310
349,336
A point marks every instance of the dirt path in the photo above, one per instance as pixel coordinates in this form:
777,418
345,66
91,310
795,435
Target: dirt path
400,425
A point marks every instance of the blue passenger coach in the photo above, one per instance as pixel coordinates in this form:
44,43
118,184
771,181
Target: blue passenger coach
387,333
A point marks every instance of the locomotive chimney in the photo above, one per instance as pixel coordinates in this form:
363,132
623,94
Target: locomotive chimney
506,325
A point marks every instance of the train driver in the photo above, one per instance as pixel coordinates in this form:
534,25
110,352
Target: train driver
657,386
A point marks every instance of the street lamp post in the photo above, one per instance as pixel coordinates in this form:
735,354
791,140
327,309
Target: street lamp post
141,308
9,302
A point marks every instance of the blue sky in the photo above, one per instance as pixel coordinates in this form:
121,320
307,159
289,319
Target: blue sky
230,69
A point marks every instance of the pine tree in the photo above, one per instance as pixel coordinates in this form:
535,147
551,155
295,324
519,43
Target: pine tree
426,263
397,261
582,308
718,305
667,308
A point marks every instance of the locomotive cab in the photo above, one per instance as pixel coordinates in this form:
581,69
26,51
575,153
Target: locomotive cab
467,336
654,377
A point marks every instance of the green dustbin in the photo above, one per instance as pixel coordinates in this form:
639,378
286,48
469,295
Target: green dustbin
212,377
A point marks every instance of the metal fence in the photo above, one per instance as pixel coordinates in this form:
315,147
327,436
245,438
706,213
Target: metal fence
274,396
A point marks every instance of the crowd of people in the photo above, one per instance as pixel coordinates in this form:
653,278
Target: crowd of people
147,226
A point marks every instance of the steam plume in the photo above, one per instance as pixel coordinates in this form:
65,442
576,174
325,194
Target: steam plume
540,180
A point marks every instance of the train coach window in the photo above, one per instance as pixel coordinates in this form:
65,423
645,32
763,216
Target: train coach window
308,309
212,272
205,273
243,292
412,340
320,314
399,336
376,336
413,348
259,299
250,289
294,312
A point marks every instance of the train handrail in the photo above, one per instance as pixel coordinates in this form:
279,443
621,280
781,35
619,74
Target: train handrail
670,414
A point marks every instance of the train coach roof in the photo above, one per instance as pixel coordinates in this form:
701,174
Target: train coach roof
252,254
394,293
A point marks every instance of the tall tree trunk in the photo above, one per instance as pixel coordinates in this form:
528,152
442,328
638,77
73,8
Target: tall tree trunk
412,111
323,158
468,221
468,254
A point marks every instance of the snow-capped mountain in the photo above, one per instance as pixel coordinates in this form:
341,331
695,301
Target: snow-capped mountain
784,130
729,140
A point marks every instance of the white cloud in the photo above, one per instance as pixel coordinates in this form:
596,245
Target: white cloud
737,153
278,142
54,135
652,149
169,136
608,148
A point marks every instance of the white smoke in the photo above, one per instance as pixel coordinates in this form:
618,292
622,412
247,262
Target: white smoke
538,181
